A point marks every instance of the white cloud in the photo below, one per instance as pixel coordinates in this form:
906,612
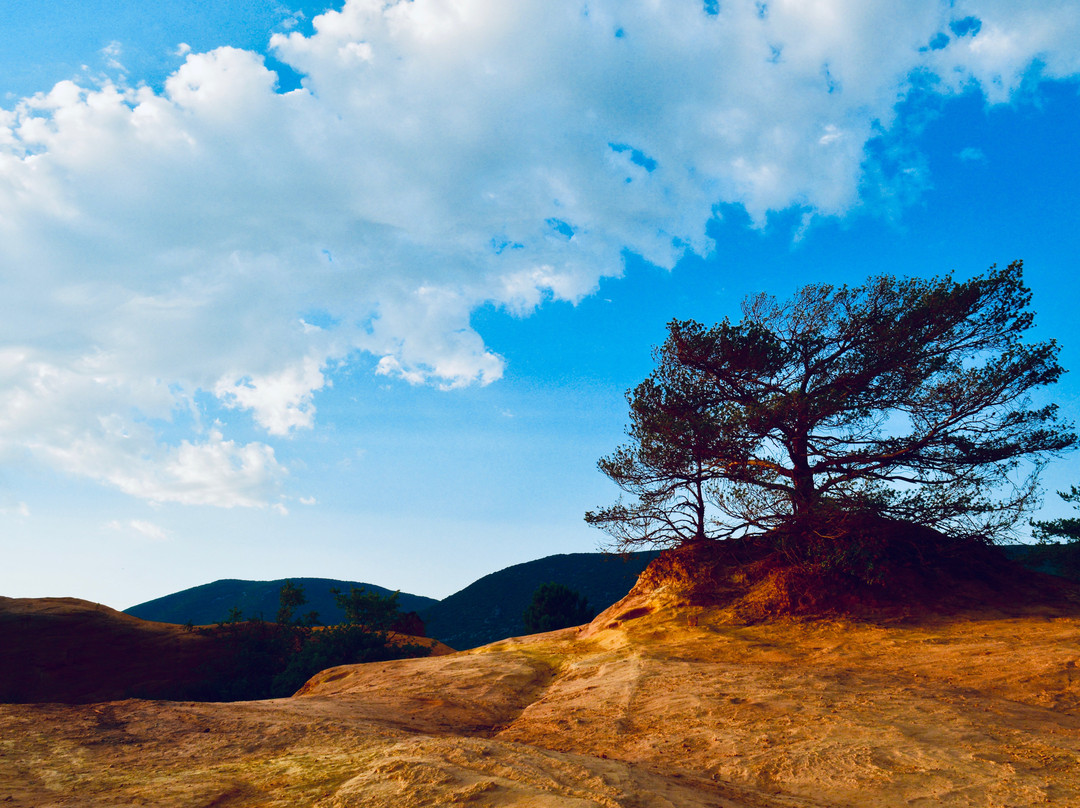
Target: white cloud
112,53
446,154
91,420
139,528
280,401
212,471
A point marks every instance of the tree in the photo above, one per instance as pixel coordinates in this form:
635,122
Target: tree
556,606
901,399
377,613
290,598
270,660
679,429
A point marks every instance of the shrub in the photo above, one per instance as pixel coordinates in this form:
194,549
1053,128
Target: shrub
556,606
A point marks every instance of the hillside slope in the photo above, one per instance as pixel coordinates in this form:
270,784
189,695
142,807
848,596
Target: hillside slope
70,650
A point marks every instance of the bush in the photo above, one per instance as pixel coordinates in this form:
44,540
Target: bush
264,660
556,606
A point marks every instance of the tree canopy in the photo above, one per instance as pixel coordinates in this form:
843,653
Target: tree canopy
291,597
901,399
368,608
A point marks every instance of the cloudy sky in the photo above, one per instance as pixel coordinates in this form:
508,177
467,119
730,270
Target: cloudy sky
356,290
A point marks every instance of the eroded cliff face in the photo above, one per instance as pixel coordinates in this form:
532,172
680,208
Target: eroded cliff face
663,700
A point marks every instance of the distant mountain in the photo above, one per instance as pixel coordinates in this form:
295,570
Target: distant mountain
211,603
491,608
487,610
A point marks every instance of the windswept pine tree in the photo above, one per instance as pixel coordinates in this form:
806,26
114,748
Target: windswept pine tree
901,400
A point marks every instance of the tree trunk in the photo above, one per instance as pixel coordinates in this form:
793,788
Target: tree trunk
699,508
804,496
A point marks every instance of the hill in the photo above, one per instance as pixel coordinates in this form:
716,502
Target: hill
492,607
70,650
665,699
1054,559
210,603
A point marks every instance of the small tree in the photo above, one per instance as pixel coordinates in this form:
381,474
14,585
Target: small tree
375,612
899,399
290,598
556,606
678,428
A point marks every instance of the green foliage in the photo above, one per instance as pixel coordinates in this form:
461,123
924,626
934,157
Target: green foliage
338,645
367,608
902,400
1065,530
556,606
291,597
271,660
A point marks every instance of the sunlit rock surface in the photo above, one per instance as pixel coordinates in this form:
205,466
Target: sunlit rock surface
660,701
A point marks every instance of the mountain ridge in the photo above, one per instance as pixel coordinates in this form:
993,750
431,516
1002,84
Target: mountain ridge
210,603
486,610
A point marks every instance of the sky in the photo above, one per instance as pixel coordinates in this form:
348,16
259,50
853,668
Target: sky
356,290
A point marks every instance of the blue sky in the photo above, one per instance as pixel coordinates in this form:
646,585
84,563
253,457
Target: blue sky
357,294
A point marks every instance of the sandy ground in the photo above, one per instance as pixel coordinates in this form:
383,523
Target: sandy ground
650,705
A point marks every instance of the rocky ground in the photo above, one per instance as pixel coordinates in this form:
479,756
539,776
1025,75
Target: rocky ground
658,702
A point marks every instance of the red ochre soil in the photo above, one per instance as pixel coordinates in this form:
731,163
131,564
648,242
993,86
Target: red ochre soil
669,698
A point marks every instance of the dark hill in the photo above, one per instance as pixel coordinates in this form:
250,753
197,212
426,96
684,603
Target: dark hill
491,608
211,603
487,610
1053,559
74,651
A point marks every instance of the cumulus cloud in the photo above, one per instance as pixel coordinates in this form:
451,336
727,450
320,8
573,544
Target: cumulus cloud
279,401
440,155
